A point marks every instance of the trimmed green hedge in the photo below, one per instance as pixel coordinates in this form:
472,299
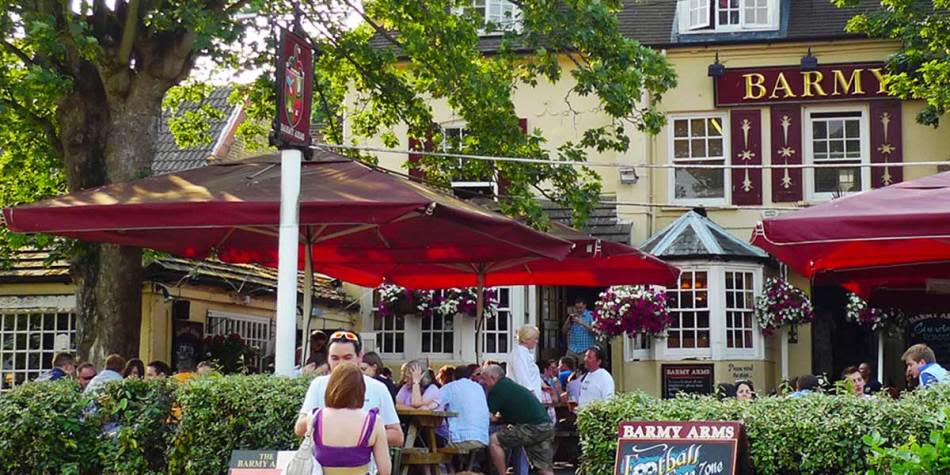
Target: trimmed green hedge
156,426
821,434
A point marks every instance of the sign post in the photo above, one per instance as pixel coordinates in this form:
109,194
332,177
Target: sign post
699,447
292,135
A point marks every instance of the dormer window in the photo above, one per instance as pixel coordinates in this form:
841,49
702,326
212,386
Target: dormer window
498,16
714,16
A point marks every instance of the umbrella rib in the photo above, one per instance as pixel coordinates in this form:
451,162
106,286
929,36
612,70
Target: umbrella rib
345,232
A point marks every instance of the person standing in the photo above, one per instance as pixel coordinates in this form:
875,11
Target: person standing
526,423
597,384
579,329
112,372
346,438
64,366
521,366
346,347
922,365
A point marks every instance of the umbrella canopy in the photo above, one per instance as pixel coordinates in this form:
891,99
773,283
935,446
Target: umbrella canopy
350,213
897,236
592,263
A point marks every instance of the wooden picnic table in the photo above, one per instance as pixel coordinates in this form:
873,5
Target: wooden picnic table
426,422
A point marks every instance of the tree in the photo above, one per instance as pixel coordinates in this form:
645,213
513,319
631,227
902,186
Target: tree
82,85
921,69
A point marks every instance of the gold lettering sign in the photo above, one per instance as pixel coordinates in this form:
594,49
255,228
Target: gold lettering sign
812,80
781,84
745,86
755,82
846,84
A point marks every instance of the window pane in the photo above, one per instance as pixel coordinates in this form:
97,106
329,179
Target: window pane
701,280
692,183
831,180
698,148
698,127
681,148
715,148
673,339
680,128
819,130
852,129
715,127
835,129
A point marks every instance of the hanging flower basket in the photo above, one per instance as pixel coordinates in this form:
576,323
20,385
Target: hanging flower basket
859,311
631,310
395,300
782,304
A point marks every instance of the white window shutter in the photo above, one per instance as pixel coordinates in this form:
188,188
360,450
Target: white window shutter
699,16
682,15
775,13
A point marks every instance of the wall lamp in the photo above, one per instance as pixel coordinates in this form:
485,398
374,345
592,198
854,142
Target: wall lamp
809,61
716,69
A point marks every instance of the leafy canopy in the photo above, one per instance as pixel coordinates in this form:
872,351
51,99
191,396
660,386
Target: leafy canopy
921,69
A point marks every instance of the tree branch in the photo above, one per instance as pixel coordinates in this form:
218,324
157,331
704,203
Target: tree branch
44,123
376,26
129,32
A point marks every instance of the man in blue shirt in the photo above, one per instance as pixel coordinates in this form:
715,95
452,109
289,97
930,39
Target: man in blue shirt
469,429
64,366
922,364
579,329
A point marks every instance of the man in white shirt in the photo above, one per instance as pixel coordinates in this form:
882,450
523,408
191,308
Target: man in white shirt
345,347
597,384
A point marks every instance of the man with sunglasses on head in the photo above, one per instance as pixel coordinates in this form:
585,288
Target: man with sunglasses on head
345,347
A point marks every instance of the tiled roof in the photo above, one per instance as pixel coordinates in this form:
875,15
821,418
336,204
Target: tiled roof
169,158
694,235
30,265
603,222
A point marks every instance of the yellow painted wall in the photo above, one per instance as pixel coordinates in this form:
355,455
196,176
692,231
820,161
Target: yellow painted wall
36,289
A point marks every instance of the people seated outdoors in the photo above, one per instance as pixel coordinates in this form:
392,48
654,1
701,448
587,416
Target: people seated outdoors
186,370
64,366
346,347
551,378
134,368
922,365
469,429
115,364
157,369
205,368
85,373
418,390
804,385
744,390
597,384
573,390
525,422
346,438
445,375
725,391
372,366
852,376
871,384
566,368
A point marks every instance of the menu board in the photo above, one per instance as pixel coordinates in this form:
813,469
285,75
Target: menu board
934,330
697,447
687,378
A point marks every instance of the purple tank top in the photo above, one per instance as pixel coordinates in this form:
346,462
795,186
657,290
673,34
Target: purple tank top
330,456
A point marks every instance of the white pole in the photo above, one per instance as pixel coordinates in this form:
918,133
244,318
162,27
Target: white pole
880,356
784,337
285,344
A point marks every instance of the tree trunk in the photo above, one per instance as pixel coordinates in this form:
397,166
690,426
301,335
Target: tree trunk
108,138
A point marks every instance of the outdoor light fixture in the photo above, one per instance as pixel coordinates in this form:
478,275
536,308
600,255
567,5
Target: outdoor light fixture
716,69
628,176
809,61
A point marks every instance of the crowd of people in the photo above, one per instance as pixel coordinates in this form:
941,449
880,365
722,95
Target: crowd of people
117,368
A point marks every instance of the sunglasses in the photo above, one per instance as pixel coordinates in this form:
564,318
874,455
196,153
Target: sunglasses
345,335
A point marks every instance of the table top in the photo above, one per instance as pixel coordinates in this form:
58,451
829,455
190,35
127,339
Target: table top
425,412
560,404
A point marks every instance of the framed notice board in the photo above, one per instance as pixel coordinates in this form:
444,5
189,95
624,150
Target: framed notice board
687,378
666,447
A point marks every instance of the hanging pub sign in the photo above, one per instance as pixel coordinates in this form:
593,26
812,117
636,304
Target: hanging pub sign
667,448
785,84
294,91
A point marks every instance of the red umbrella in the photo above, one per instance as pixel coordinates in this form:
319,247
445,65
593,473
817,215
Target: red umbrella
896,236
351,212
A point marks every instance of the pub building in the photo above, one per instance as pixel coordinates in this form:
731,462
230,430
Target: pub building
771,84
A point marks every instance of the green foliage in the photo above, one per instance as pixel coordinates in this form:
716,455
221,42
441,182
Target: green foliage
921,69
811,434
912,457
191,114
146,427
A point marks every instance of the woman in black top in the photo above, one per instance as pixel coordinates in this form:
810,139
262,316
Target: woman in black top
373,367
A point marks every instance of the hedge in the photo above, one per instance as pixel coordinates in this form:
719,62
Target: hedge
820,434
142,427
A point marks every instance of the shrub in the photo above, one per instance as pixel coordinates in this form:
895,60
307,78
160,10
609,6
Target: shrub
812,434
136,413
912,457
44,430
221,414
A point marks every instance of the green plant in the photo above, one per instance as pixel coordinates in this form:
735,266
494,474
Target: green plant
912,457
230,354
45,430
136,415
812,434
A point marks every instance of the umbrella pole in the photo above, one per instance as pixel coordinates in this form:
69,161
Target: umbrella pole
479,314
880,356
285,344
307,295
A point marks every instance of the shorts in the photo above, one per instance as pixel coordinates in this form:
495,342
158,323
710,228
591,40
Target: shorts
537,442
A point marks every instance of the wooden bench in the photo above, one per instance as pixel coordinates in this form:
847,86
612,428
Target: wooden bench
471,453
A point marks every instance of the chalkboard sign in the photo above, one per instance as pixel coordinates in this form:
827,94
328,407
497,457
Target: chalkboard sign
934,330
687,378
253,462
696,447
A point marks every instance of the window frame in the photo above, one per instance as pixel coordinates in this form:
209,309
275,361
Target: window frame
442,333
726,154
716,293
381,332
44,361
516,24
809,154
241,323
461,127
508,335
756,331
713,25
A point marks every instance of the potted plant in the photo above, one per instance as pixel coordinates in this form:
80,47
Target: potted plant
631,309
860,311
782,304
396,300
